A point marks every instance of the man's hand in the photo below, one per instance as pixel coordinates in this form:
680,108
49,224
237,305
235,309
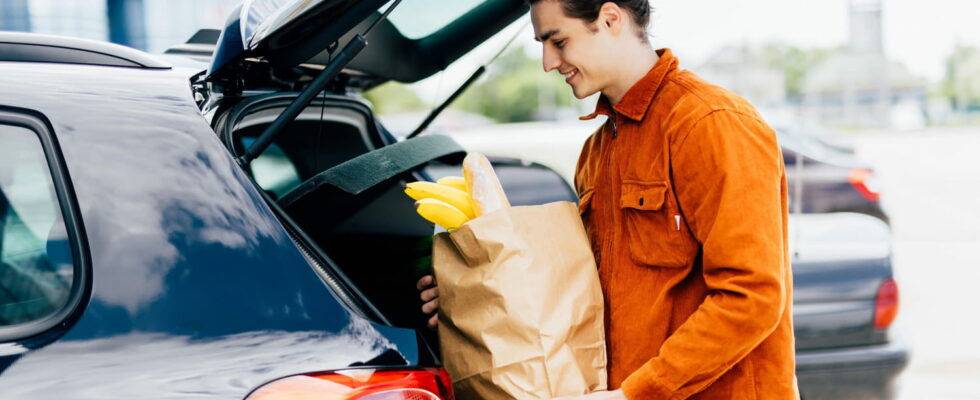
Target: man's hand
430,299
613,395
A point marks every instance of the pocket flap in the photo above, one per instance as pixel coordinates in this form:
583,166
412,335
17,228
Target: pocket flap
643,196
585,201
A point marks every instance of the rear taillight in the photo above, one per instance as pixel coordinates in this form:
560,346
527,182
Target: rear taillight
360,384
864,182
886,304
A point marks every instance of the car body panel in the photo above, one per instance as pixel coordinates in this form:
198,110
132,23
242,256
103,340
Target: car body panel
197,289
866,372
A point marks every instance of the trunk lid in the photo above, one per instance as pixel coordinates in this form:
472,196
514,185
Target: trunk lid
284,33
416,41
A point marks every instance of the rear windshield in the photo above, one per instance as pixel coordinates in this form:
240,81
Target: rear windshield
418,19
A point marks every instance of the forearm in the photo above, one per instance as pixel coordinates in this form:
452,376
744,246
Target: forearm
724,329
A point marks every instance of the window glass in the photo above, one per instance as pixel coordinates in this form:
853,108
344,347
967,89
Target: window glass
418,19
273,170
36,266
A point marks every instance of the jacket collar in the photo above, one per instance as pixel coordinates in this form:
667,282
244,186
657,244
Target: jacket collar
637,99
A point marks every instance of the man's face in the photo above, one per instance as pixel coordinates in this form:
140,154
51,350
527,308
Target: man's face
578,51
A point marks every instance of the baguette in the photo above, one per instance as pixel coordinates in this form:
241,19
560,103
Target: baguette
482,185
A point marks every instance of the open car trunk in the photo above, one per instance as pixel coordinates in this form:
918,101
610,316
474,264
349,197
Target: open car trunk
375,237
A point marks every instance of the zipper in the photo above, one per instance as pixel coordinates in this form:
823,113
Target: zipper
610,212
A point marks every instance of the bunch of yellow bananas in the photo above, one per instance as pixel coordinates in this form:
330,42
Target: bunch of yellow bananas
452,201
442,202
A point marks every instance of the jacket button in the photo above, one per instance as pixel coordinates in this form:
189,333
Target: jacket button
641,201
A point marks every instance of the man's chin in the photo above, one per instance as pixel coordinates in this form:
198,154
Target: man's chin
581,94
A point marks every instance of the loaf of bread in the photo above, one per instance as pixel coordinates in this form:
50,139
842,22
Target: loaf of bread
482,185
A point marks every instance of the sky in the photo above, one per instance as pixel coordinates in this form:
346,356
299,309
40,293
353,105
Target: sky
917,33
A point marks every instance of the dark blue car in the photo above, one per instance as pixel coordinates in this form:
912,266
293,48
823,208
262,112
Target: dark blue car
140,259
237,229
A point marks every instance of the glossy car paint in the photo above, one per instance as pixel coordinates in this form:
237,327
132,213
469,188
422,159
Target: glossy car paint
197,290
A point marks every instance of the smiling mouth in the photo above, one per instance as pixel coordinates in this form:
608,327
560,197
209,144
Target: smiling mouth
570,74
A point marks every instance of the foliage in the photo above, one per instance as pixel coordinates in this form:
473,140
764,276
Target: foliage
515,88
795,62
393,97
961,84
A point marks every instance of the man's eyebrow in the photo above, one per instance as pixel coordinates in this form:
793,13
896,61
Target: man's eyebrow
546,35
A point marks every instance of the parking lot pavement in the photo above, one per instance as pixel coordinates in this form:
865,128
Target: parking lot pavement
931,189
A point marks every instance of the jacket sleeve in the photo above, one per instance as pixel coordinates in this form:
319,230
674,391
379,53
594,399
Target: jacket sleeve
729,180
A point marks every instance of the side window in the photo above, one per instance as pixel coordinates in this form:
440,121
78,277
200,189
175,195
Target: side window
36,262
273,170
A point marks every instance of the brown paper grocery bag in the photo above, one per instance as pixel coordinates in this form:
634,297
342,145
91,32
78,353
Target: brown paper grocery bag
520,305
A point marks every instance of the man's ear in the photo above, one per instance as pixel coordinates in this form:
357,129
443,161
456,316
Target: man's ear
611,17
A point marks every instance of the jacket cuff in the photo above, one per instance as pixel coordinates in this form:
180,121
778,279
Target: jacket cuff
642,384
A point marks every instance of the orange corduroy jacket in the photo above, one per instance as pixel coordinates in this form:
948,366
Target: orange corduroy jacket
683,194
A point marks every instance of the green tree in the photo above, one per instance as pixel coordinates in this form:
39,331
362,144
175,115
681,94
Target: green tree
515,89
794,62
393,97
961,85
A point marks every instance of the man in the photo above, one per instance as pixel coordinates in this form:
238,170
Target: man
683,194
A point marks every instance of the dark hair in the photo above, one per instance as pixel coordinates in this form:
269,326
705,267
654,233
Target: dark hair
588,10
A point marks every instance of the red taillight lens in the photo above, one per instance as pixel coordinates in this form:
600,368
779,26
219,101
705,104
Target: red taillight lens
864,182
886,304
361,384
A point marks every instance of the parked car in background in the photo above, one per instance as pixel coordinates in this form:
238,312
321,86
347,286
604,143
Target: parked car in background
828,177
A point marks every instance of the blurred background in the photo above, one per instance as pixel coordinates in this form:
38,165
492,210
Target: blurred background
887,91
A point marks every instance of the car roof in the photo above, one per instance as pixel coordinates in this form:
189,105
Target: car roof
33,47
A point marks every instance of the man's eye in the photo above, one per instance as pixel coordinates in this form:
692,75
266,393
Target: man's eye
559,43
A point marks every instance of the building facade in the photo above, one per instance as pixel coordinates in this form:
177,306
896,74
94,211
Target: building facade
149,25
861,87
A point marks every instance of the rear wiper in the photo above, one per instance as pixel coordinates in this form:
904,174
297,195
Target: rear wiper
330,71
469,81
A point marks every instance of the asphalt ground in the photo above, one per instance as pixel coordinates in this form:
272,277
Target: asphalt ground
931,189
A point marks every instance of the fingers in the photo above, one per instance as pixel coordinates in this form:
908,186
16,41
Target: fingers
430,294
430,298
430,307
425,282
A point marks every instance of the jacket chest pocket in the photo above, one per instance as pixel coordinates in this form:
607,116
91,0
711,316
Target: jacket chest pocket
657,233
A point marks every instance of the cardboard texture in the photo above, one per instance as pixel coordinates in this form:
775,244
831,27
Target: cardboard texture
521,309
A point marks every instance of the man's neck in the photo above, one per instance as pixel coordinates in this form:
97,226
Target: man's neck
638,67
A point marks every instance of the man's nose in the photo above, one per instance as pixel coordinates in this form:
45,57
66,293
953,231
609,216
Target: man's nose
550,59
